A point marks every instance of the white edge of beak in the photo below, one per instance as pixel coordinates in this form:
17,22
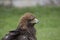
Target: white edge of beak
36,20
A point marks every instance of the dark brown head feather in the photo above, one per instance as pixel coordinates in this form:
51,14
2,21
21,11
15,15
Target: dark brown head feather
24,20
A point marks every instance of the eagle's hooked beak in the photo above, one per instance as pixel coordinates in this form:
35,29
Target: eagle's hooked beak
35,21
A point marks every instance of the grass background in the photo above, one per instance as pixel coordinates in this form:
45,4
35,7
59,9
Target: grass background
47,29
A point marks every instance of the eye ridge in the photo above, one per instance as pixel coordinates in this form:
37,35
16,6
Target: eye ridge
31,19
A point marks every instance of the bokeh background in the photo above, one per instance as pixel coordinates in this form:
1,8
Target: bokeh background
46,11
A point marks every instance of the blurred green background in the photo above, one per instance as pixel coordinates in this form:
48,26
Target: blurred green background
47,29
